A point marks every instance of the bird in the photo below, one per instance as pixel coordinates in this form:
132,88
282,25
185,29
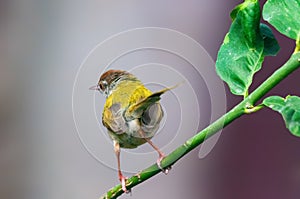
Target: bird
131,113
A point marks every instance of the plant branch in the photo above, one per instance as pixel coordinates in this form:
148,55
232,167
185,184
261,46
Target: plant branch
291,65
242,108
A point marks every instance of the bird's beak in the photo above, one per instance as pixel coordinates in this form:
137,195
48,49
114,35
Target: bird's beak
94,88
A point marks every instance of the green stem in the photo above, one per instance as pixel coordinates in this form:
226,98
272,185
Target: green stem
291,65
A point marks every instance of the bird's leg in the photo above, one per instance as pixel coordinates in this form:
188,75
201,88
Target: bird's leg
121,177
161,155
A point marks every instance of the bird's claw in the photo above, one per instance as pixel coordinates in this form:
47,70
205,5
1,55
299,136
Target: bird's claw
158,162
123,184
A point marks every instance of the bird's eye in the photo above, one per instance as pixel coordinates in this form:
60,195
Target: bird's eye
101,86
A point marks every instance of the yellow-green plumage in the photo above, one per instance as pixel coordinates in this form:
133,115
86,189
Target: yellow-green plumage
128,102
125,94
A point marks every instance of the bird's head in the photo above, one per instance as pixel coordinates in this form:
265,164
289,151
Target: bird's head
110,79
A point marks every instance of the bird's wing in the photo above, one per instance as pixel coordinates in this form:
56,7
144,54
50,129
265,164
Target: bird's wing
113,119
151,119
136,110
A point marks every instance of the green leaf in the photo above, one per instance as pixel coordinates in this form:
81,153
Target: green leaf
289,108
284,15
242,51
271,46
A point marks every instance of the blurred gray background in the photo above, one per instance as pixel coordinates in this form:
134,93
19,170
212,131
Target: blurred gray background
42,46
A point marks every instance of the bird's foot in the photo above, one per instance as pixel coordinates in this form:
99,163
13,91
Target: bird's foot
123,183
158,162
